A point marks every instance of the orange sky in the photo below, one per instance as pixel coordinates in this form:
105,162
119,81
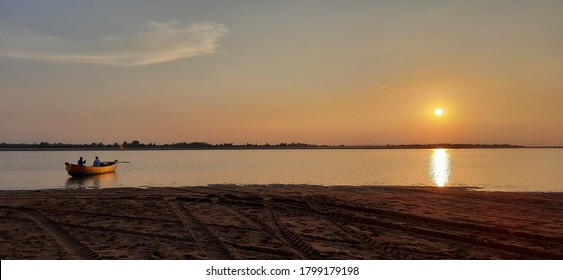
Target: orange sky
319,72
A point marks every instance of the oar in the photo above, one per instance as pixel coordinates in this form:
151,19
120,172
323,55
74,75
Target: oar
116,161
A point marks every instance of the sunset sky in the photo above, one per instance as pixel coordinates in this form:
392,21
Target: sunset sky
319,72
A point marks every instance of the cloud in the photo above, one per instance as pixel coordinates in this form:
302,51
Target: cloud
157,42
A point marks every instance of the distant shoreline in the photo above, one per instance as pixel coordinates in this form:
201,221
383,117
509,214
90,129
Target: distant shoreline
283,146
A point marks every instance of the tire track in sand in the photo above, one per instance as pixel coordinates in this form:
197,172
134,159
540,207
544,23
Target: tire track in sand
430,227
271,225
205,239
270,230
72,246
298,243
391,251
386,250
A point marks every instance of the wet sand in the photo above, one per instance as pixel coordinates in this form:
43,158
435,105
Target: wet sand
280,222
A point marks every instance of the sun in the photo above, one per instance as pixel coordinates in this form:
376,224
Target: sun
438,112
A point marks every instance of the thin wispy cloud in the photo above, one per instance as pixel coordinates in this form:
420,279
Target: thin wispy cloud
155,42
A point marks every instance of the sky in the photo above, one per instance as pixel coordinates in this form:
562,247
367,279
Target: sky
318,72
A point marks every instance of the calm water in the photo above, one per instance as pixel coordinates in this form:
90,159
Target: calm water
490,169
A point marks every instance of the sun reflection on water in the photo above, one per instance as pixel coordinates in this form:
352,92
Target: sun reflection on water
439,167
94,181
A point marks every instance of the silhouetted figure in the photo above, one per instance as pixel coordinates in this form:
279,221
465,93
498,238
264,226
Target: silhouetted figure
96,162
81,161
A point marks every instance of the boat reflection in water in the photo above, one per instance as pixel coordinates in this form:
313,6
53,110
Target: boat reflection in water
439,168
91,182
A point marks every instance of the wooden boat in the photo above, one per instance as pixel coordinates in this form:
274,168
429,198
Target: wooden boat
83,170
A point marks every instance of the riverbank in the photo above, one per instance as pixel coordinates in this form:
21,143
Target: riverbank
231,146
280,222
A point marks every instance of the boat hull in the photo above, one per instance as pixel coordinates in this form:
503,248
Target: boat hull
81,170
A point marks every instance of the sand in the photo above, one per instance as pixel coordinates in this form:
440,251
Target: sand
280,222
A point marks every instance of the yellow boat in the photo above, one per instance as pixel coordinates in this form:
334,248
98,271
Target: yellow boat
82,170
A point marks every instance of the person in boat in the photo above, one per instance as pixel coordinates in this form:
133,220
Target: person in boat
81,161
96,162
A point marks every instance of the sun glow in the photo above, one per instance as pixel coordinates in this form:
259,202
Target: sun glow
438,112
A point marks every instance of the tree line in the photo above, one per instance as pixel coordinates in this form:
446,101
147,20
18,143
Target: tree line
137,145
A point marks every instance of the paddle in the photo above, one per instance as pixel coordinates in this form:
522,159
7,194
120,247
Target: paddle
111,162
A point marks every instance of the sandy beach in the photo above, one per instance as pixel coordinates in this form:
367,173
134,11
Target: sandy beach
280,222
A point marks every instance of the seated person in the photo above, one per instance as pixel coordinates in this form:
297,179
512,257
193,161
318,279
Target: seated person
96,162
81,161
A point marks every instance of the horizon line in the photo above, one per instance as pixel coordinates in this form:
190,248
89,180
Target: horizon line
203,145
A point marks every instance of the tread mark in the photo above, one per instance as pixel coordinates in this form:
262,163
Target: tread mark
205,239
